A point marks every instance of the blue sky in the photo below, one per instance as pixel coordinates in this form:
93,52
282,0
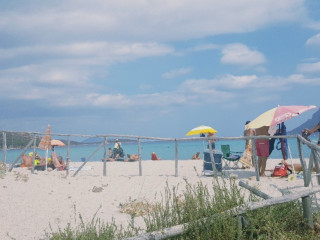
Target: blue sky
155,68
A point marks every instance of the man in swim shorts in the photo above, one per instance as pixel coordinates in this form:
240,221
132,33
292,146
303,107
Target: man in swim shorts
262,148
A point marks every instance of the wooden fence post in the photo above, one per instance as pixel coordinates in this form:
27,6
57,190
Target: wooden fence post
176,157
4,147
316,164
34,152
105,157
214,169
139,153
255,160
68,155
307,212
304,167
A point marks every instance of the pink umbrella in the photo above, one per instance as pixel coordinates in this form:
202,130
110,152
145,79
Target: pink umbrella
278,115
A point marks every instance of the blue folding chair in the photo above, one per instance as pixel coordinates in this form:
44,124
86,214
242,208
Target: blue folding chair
207,164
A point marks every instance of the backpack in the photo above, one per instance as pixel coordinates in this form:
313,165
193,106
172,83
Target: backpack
281,170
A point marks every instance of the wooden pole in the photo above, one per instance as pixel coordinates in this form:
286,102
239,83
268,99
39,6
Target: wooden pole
303,164
4,148
139,153
176,157
254,190
105,157
68,155
87,160
34,153
212,159
316,164
307,212
255,160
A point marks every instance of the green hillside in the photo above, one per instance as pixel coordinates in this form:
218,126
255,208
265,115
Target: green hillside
17,140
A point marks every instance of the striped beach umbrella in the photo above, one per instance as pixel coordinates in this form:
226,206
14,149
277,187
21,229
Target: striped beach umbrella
45,142
278,115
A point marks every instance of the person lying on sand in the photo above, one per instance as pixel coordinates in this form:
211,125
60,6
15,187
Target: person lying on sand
133,157
297,166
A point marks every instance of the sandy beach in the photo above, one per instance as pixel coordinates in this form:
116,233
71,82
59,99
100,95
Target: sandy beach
29,203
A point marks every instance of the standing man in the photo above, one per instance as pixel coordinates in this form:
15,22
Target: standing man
262,147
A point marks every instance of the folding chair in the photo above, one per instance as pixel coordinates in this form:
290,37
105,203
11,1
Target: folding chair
230,157
207,164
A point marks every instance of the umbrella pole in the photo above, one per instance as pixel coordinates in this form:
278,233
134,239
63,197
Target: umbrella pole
293,170
47,159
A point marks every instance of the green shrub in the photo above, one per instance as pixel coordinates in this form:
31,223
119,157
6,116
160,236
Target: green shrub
197,205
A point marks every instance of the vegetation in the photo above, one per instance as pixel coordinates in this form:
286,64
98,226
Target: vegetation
283,221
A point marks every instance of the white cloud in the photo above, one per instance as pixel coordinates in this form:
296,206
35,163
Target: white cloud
93,51
176,73
314,41
25,85
309,67
314,25
157,20
239,54
205,47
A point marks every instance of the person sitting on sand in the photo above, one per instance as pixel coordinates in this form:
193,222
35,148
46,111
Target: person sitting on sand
110,153
57,163
196,156
117,149
133,157
154,156
26,160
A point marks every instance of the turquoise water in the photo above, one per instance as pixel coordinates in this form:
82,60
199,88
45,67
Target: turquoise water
164,149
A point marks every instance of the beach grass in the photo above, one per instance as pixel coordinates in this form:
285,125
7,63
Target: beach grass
198,201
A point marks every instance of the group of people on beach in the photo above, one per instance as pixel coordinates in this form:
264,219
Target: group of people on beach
264,147
41,164
117,154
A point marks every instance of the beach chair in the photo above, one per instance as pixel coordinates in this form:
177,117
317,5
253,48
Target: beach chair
231,159
207,164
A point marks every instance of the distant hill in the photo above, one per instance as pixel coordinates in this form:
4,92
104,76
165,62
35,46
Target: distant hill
100,140
308,124
17,140
20,140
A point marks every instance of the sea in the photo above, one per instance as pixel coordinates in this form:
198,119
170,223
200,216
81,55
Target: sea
164,149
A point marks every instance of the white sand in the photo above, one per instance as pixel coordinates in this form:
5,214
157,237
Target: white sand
29,202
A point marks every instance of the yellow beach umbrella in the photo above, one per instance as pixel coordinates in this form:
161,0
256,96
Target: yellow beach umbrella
201,129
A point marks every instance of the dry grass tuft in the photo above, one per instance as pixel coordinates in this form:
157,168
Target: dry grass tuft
22,177
136,207
3,170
